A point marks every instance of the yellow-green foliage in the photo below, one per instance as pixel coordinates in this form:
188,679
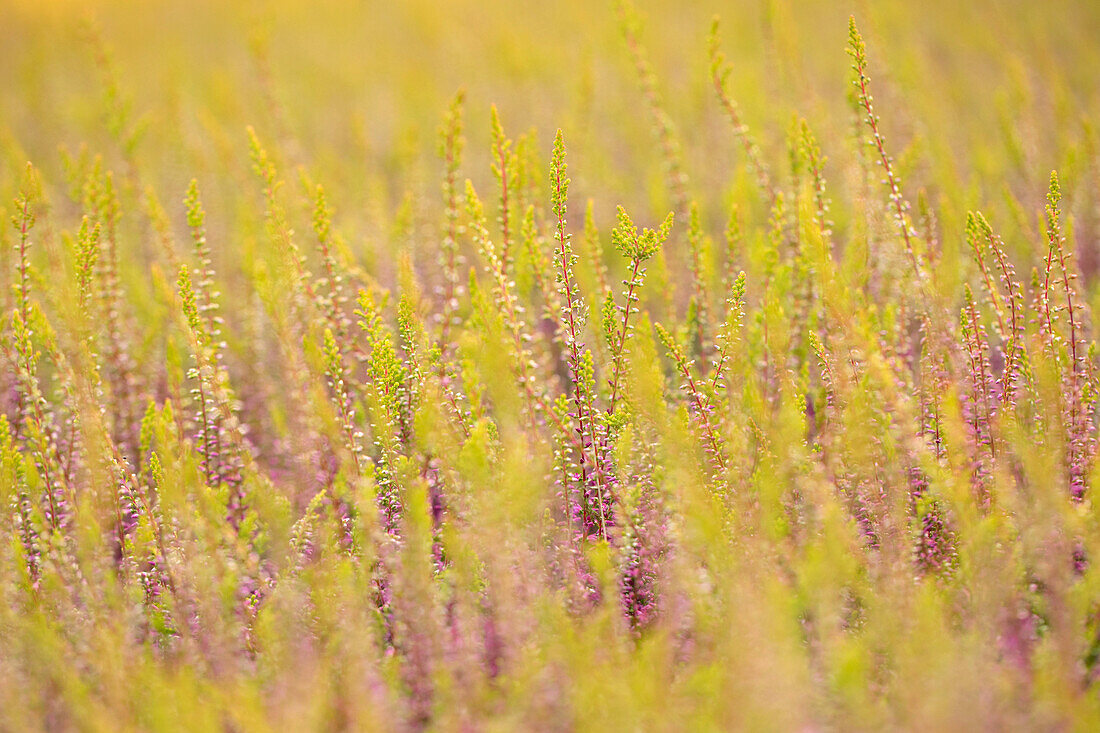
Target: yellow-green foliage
340,391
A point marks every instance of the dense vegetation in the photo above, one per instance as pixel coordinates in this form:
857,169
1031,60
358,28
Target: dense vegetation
329,401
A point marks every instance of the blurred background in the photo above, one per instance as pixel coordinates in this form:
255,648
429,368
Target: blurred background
978,100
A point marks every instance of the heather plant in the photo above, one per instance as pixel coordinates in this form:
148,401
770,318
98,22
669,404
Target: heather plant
401,421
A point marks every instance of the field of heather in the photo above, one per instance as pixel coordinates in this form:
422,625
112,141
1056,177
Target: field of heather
549,366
